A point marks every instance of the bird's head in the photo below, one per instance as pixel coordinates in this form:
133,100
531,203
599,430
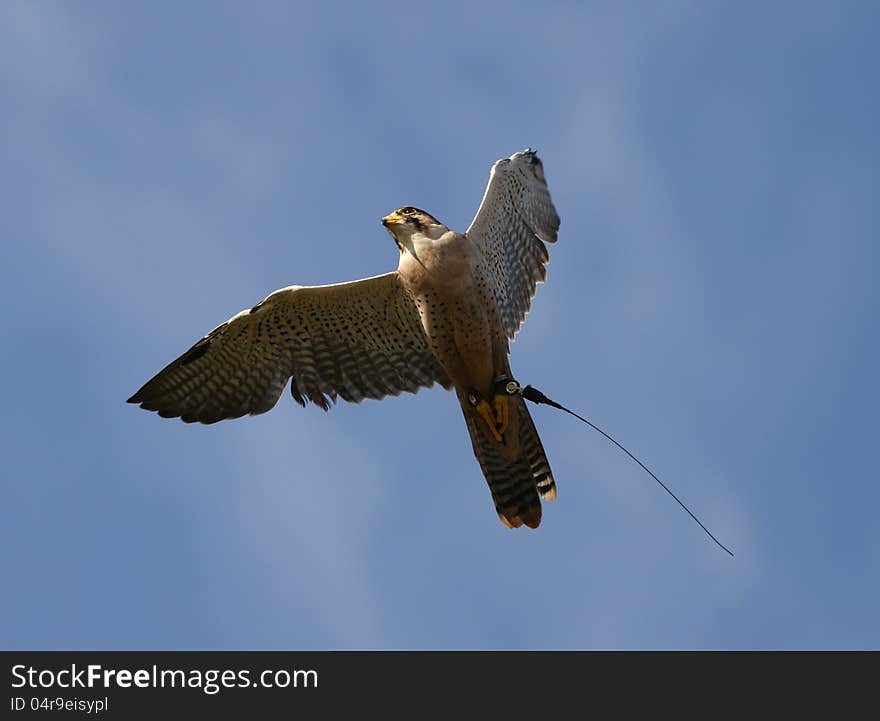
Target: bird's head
408,224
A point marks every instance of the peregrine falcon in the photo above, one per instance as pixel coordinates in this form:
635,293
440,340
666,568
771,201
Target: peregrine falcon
446,316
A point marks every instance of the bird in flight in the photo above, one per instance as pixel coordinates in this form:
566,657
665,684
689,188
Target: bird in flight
446,315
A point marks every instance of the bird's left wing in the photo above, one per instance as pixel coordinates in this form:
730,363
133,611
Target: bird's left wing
353,340
515,219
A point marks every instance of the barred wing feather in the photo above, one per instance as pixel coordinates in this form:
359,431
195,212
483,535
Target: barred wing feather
515,219
354,340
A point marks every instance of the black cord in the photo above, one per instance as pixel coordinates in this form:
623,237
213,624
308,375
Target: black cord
535,396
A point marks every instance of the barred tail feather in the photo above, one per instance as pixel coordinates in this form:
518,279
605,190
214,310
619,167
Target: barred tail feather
517,470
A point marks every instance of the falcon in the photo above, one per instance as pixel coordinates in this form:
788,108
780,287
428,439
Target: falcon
446,315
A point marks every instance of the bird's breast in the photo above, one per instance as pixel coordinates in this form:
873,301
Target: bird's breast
459,320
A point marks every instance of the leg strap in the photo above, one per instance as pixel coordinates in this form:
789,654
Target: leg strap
505,385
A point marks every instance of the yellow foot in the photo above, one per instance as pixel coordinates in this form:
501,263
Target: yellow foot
485,410
502,413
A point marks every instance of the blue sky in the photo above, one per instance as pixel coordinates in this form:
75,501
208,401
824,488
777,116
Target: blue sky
711,302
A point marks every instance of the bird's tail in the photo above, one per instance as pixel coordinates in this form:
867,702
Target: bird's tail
516,469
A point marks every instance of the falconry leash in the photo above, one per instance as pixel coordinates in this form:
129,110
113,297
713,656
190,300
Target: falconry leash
504,384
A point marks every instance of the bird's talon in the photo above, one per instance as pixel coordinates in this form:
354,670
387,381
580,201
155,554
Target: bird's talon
485,411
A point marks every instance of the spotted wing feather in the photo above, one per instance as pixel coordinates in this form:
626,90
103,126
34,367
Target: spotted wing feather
351,340
515,219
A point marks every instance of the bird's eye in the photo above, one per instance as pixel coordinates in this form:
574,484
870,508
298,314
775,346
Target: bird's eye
408,210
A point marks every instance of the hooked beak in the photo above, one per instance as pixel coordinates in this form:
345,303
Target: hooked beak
391,219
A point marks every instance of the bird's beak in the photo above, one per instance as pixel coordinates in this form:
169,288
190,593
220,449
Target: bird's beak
391,219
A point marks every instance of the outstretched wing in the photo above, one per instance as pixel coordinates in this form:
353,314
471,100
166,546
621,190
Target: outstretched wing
512,224
353,340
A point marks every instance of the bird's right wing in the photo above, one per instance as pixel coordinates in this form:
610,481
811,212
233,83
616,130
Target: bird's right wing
512,224
354,340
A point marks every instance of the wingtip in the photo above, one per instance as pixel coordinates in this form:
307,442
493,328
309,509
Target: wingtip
529,155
